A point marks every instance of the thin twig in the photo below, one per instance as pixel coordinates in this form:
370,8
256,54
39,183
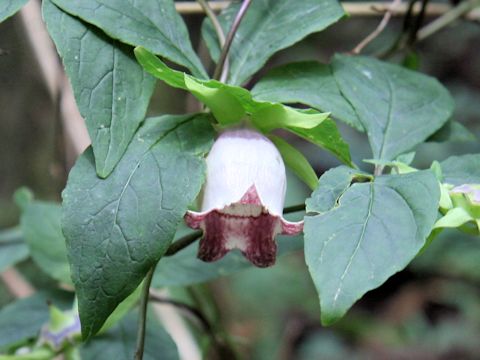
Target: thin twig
354,9
294,208
375,33
216,25
221,71
446,19
213,18
142,320
183,242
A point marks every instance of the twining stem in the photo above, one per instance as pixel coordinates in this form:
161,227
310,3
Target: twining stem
213,18
379,29
221,71
446,19
183,242
142,320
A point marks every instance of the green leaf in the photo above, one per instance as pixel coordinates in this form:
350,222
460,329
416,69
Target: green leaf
452,131
118,228
22,319
10,7
309,83
332,184
232,104
111,89
453,218
398,108
296,161
374,230
122,309
184,268
268,26
326,136
40,223
155,25
119,342
463,169
12,248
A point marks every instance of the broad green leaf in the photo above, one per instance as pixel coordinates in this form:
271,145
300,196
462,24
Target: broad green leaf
153,24
296,161
111,89
22,319
398,108
374,230
463,169
40,223
119,342
10,7
232,104
452,131
267,27
184,268
118,228
12,248
309,83
332,184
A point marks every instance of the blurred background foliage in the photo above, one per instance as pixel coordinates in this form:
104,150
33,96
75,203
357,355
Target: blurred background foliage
431,310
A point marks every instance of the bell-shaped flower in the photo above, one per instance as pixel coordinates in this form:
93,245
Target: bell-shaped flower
243,199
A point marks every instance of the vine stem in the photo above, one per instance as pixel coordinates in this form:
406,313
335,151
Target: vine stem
446,19
142,320
221,70
379,29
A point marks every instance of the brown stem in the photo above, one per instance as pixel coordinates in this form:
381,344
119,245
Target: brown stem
142,320
221,70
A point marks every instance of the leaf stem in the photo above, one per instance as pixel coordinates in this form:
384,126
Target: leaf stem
294,208
221,70
183,242
142,320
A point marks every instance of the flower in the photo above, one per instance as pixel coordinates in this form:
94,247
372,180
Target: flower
243,199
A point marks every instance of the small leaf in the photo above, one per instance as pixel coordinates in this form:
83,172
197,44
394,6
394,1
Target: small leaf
12,248
22,319
232,104
40,223
463,169
119,342
296,161
452,131
111,89
454,218
23,197
399,108
155,25
326,136
10,7
268,26
118,228
373,230
308,83
331,187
